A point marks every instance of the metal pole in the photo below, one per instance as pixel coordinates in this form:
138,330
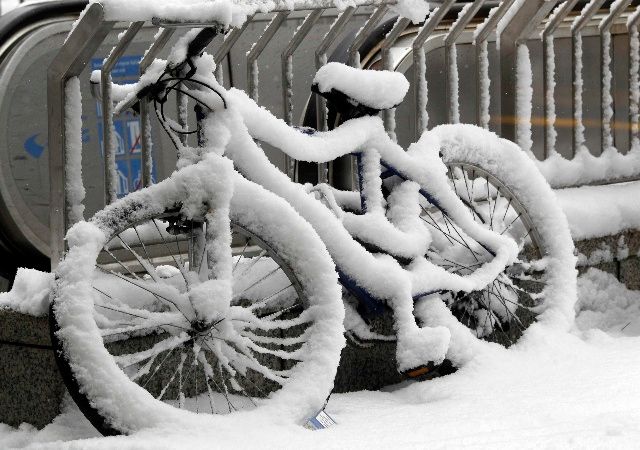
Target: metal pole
321,59
257,48
480,41
607,107
108,130
634,80
520,26
466,15
420,64
548,62
391,38
227,44
580,22
286,60
363,33
72,58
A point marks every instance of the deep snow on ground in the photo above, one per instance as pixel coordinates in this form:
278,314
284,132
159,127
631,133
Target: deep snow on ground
576,390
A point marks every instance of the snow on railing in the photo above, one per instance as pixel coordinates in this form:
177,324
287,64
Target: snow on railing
510,109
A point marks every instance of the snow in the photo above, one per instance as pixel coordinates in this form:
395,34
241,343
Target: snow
29,294
634,85
555,389
423,89
524,98
379,89
595,211
550,77
606,304
586,168
607,98
75,191
416,10
484,85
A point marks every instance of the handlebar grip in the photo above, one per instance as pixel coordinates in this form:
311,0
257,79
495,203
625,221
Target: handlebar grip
200,42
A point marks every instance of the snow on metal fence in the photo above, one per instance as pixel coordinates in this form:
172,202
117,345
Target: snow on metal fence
505,92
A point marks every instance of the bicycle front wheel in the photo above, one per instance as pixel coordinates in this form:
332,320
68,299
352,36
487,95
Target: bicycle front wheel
128,342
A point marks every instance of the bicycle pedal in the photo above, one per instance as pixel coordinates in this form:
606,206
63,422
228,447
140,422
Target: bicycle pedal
423,372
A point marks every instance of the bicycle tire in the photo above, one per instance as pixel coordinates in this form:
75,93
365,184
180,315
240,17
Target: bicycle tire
520,204
309,330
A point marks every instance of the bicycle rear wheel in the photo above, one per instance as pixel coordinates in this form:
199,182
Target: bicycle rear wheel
505,193
129,346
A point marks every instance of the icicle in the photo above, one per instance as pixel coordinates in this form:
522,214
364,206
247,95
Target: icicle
485,84
524,98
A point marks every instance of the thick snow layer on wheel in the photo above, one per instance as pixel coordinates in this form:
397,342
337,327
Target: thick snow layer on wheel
128,406
378,89
509,164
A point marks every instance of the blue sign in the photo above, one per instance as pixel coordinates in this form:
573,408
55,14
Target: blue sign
127,130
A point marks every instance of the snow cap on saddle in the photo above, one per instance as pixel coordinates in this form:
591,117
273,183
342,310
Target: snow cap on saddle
376,89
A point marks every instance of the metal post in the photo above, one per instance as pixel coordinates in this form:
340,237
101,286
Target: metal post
607,109
420,64
286,60
634,80
227,44
387,64
257,48
520,26
363,33
145,116
480,41
580,22
108,130
72,58
321,59
466,14
549,67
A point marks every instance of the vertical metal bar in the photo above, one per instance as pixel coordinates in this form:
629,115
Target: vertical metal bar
227,44
387,63
549,67
607,106
363,33
108,130
420,65
519,27
576,39
321,59
146,152
257,48
158,44
481,38
634,80
466,15
146,144
72,58
286,60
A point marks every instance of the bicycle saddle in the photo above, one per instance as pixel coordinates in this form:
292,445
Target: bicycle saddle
360,92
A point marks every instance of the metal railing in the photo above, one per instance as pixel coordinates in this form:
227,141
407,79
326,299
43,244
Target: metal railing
450,25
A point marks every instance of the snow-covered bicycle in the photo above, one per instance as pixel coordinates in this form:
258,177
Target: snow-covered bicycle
215,290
